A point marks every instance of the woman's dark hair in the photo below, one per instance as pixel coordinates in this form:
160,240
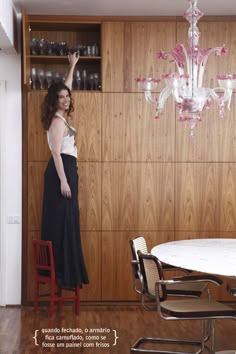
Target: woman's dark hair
51,101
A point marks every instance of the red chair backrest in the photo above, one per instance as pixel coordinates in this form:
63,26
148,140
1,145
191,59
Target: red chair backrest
43,256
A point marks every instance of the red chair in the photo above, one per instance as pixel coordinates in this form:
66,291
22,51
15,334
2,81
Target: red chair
45,274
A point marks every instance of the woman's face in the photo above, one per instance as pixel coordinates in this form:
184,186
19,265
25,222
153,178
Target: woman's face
63,101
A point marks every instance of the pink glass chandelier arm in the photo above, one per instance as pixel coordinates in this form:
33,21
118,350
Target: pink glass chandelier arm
221,100
179,55
149,98
176,95
164,95
226,97
218,52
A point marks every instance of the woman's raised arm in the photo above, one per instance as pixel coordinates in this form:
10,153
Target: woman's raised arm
73,59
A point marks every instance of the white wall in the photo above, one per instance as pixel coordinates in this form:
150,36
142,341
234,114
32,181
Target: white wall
7,26
11,127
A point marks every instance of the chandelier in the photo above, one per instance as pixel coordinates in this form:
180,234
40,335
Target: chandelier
185,85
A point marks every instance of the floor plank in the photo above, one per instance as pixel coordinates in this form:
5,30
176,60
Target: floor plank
97,326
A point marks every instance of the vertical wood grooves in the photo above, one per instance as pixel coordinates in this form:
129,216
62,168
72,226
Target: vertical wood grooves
139,175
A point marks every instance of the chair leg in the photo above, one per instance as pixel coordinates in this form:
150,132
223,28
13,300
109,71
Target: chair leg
200,343
77,300
212,337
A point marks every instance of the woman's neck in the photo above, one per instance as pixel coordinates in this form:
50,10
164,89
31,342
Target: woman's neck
61,113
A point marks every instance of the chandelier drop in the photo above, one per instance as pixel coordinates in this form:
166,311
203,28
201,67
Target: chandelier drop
185,85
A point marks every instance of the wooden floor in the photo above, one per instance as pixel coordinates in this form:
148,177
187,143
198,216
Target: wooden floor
95,330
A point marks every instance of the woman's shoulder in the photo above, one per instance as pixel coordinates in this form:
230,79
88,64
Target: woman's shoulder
57,123
57,120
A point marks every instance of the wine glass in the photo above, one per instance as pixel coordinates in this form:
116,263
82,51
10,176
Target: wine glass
51,48
57,77
84,77
91,81
34,77
48,75
33,46
96,80
42,44
78,79
41,77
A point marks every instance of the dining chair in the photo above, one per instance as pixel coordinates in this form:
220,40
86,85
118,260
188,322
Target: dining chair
44,270
193,289
204,309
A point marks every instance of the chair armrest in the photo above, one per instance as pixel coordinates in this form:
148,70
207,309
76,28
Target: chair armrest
169,267
203,277
193,279
134,262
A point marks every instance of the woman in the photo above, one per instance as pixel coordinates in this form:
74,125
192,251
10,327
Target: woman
60,216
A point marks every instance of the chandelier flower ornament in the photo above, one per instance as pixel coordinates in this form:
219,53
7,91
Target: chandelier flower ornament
185,85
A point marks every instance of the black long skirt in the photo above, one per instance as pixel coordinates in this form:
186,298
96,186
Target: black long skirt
60,224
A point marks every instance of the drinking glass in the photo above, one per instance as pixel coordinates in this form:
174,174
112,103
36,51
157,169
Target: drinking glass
33,77
41,77
56,77
96,80
84,77
48,75
33,46
78,79
91,81
42,44
51,48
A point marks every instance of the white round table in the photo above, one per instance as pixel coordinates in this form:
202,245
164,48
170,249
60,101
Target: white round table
214,255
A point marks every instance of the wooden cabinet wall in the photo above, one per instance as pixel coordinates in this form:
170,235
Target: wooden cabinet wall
138,175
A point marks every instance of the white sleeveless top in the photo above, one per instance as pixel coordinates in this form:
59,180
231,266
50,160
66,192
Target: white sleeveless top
68,146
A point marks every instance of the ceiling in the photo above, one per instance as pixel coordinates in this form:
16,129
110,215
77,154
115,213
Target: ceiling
123,7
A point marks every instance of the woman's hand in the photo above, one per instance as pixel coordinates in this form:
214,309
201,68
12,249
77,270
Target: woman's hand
73,58
65,190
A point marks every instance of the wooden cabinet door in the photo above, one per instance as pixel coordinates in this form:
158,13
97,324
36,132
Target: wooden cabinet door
113,56
130,51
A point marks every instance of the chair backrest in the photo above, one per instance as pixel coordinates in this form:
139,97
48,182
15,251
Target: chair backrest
151,270
43,257
137,244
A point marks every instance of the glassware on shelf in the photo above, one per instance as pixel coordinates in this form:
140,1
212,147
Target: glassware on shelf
85,51
91,81
33,46
57,77
89,50
49,78
78,79
51,48
96,80
63,48
41,77
95,50
43,46
33,77
84,77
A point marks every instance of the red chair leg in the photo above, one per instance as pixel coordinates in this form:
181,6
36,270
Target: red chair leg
77,300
